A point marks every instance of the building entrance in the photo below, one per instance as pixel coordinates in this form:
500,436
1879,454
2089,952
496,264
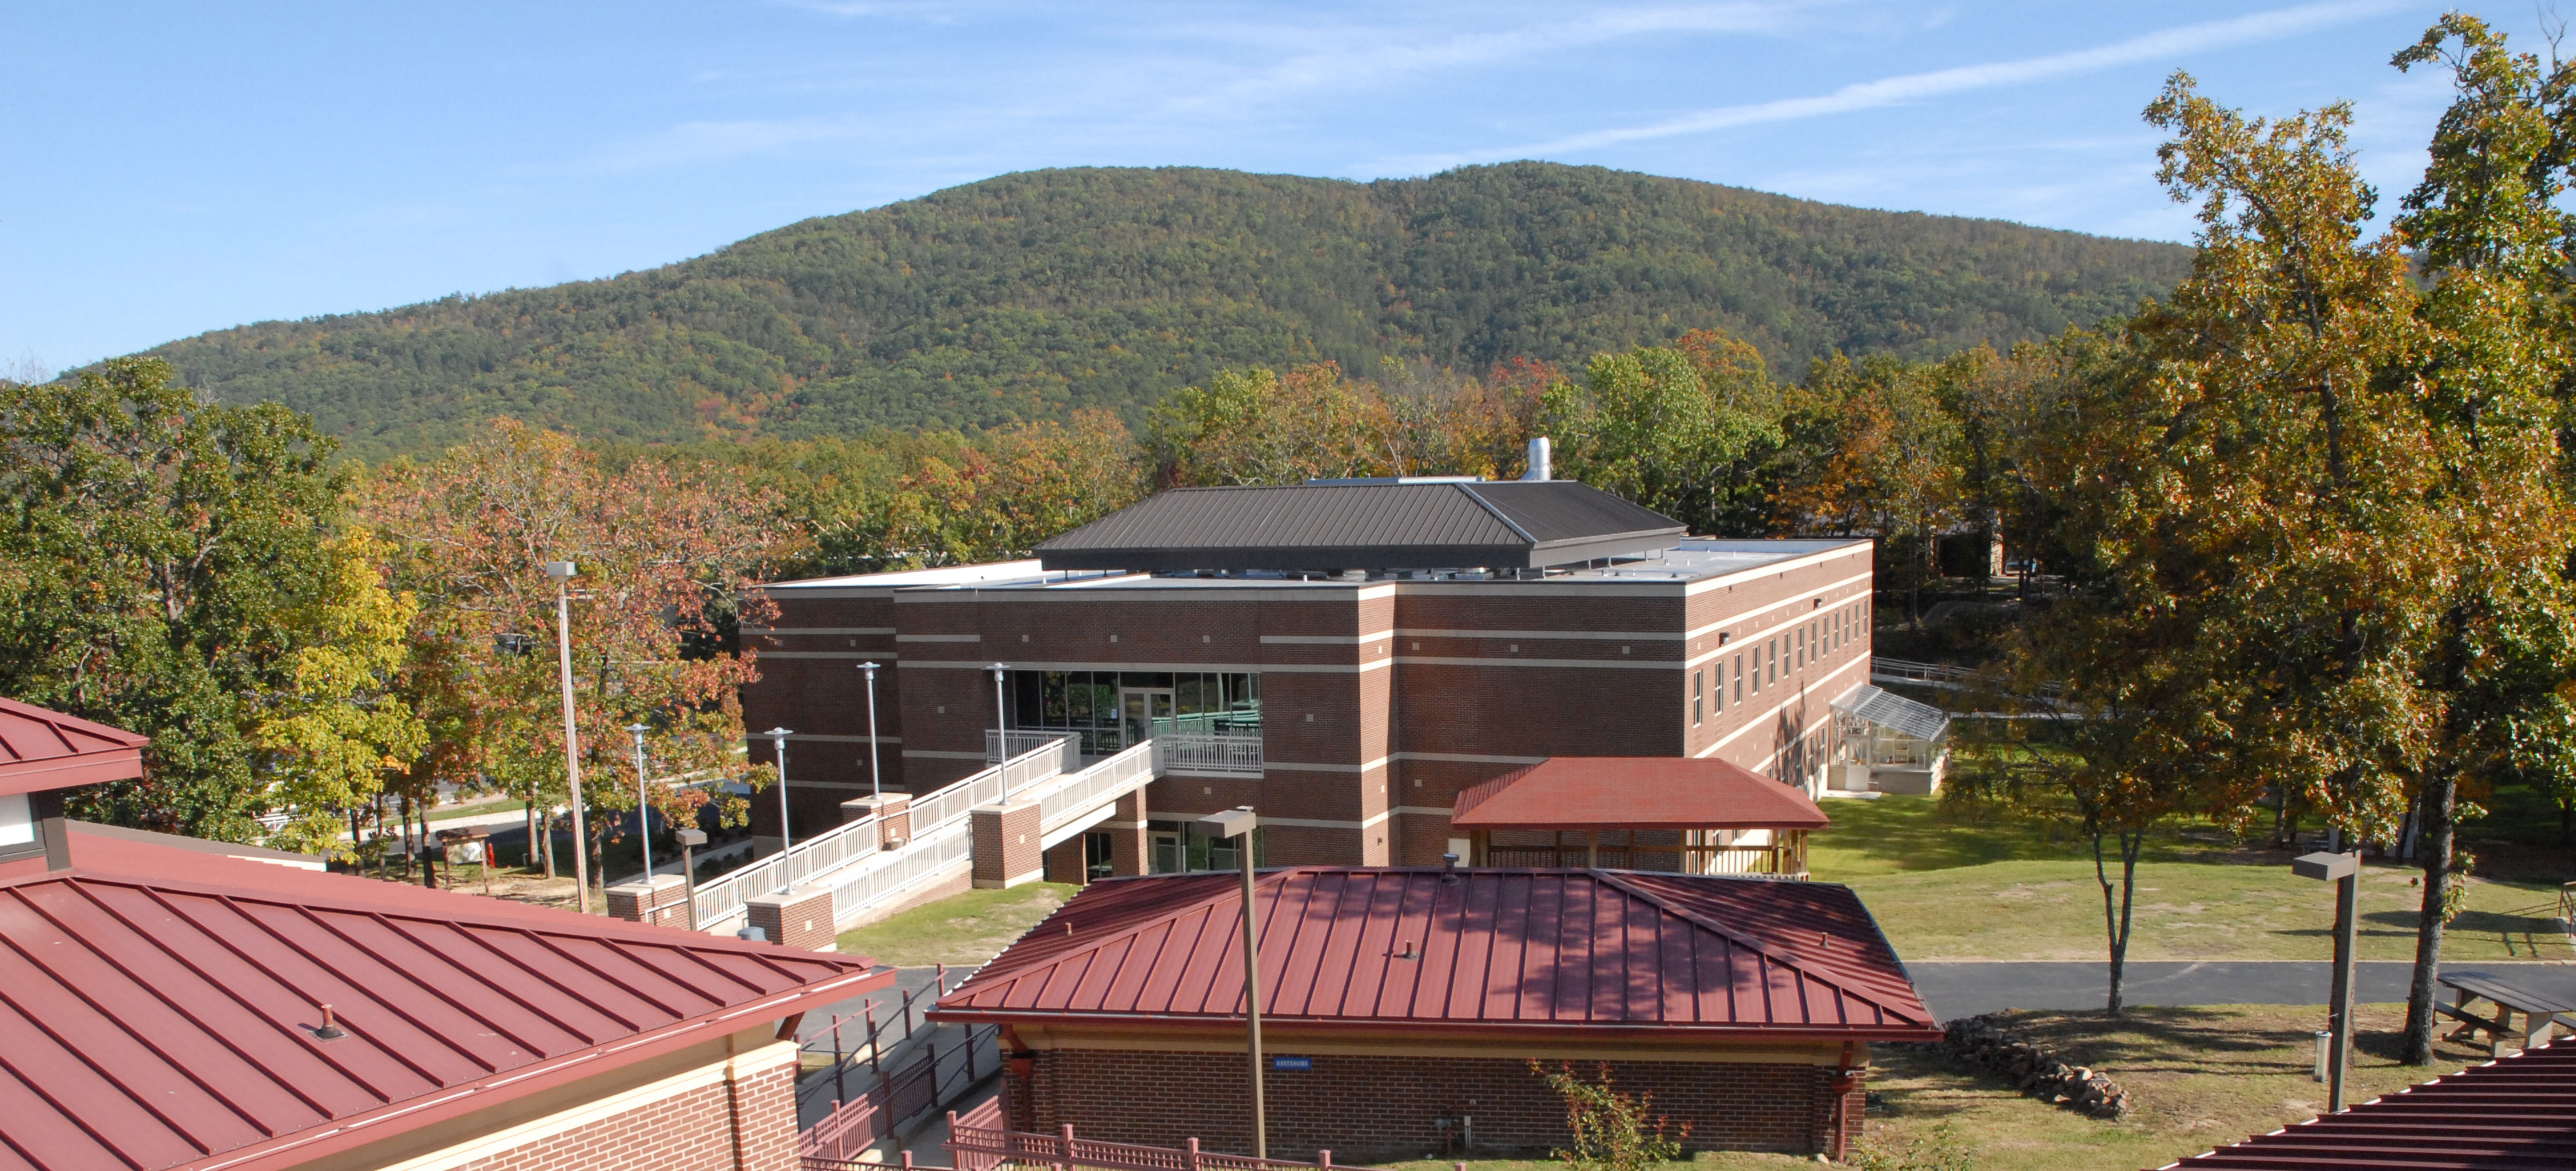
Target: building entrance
1139,709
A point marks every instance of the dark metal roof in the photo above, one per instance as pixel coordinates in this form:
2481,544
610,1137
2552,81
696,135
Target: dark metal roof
42,749
2511,1114
1497,951
153,1022
1503,525
1634,792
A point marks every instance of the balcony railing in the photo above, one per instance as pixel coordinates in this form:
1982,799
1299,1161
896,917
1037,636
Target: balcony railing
1214,755
1001,745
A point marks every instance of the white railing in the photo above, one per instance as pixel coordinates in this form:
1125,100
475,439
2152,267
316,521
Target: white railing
938,850
1000,745
1107,779
1230,755
838,847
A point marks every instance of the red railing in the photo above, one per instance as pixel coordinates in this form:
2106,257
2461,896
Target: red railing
864,1120
977,1142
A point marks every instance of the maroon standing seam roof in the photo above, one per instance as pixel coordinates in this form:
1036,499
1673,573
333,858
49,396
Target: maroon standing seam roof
166,1023
1506,949
1634,792
42,749
2515,1113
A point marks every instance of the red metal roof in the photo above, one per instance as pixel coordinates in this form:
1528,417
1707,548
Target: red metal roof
2516,1113
1499,950
42,749
166,1019
1635,792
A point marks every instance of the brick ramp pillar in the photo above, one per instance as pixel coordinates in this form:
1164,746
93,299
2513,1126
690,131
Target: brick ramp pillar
1006,846
1128,849
892,812
661,900
800,918
1065,862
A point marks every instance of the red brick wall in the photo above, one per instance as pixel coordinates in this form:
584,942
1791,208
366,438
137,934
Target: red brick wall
1005,843
745,1125
1377,1108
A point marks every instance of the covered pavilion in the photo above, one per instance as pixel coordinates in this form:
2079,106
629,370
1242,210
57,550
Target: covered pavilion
1678,815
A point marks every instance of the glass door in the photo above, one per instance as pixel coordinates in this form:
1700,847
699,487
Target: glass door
1140,708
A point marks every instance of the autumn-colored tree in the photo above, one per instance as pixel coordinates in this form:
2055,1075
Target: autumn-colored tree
1872,448
668,558
2490,384
338,728
1263,427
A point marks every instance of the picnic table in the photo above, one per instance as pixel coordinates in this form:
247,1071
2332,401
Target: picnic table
2539,1012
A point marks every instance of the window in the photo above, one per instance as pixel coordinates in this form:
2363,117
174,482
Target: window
1699,697
1757,668
1772,652
1719,703
1739,678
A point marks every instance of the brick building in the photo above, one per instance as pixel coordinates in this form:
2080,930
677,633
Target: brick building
166,1006
1345,657
1401,1008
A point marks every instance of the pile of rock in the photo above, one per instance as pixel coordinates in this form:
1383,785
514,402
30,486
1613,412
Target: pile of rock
1982,1042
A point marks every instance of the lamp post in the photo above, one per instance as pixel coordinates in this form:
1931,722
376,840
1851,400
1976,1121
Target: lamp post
1239,823
643,808
690,840
1001,726
786,835
876,788
2343,870
562,572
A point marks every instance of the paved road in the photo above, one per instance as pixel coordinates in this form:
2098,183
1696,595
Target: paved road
1966,989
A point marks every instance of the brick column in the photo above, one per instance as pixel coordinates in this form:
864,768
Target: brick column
761,1088
1128,852
801,918
1065,862
1006,846
662,899
893,814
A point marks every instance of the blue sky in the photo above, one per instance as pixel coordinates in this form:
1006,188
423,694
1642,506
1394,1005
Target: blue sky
184,167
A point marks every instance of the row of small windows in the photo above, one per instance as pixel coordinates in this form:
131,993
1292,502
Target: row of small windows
1800,645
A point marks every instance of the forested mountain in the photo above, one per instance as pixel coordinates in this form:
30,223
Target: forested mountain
1029,295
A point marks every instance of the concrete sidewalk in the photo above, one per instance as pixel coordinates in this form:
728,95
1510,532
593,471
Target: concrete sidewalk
1966,989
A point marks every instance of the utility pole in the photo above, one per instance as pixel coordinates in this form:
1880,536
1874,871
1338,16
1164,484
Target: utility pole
786,834
643,805
876,787
2343,870
562,572
1239,823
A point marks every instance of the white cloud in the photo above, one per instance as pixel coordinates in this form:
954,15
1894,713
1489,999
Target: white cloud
2163,45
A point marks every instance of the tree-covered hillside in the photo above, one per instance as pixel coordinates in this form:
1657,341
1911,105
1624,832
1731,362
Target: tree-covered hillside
1030,295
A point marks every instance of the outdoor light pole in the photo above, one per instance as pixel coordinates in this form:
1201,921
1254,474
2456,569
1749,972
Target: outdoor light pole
1001,733
2343,870
875,787
562,572
786,838
643,808
1238,823
690,840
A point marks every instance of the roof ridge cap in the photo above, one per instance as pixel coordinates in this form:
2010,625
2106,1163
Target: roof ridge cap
1497,512
1224,891
1736,936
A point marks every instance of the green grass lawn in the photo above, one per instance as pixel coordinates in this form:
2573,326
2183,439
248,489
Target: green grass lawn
2201,1077
967,928
1947,884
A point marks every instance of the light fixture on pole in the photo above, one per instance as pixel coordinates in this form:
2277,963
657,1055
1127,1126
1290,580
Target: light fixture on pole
690,840
786,835
876,788
1001,726
562,572
643,806
1239,823
2343,870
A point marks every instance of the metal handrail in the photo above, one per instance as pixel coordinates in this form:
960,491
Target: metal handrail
857,842
977,1148
1231,755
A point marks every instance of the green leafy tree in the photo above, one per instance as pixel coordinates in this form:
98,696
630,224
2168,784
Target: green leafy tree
166,565
339,727
1647,426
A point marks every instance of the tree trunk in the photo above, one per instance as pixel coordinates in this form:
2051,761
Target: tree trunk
402,817
429,866
2115,913
2441,804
